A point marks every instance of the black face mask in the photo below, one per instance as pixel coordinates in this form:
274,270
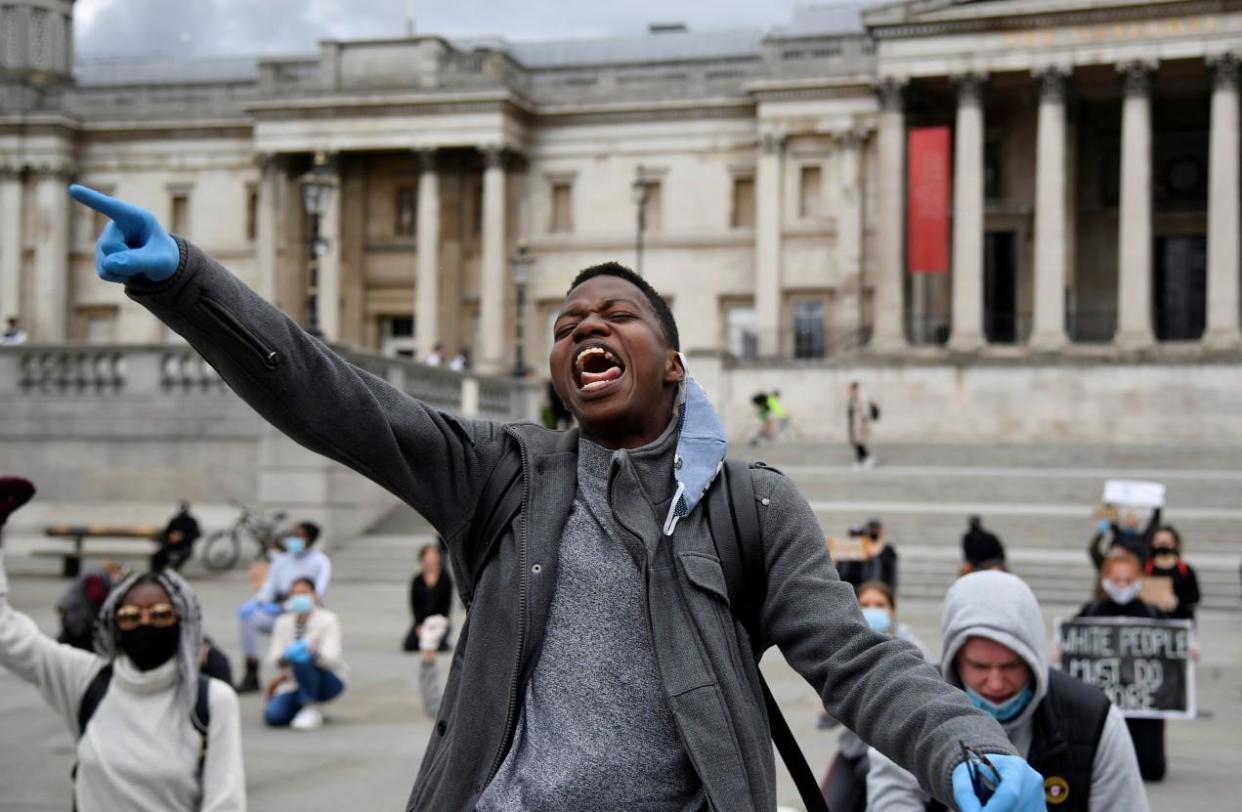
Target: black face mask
150,646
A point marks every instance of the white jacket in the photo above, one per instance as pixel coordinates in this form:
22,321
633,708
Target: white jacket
322,635
140,752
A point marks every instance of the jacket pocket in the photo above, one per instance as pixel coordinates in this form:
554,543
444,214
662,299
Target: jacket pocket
233,326
706,573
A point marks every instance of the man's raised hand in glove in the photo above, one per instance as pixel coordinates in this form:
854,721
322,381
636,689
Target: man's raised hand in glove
133,246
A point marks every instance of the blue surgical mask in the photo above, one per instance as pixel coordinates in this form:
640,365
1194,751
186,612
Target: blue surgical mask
295,545
878,619
1006,710
300,604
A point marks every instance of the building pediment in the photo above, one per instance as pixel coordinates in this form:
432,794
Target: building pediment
922,17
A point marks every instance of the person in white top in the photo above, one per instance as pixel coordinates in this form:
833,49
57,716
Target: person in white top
142,743
299,560
306,650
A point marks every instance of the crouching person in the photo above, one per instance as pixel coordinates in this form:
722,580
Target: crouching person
995,650
306,651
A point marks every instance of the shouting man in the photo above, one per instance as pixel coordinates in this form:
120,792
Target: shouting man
599,667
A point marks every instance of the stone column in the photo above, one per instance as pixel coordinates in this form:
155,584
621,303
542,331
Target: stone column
1048,332
427,286
1134,246
888,329
328,300
850,235
49,321
10,244
267,218
769,191
967,330
1223,223
492,283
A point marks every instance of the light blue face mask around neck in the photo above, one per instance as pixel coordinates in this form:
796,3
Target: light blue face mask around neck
701,448
1006,710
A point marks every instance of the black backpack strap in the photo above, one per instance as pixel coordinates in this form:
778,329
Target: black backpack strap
499,501
92,697
201,719
733,518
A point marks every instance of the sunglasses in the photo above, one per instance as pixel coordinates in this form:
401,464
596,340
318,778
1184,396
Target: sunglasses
160,614
984,777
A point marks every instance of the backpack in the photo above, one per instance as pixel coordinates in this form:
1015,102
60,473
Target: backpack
200,718
737,534
875,412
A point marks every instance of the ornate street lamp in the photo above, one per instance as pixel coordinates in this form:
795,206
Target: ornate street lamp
519,266
318,186
640,192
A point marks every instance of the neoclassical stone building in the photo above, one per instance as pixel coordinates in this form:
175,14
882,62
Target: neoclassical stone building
1090,194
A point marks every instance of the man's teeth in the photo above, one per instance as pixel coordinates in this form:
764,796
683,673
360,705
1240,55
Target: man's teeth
589,351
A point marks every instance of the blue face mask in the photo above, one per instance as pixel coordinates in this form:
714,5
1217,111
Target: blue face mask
295,545
878,619
1006,710
300,604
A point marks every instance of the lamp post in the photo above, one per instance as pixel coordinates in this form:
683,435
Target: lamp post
318,186
640,191
519,266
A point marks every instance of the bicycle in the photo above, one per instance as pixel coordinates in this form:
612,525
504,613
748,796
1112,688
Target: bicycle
222,549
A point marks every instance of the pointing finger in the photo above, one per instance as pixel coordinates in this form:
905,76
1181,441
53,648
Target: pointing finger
129,217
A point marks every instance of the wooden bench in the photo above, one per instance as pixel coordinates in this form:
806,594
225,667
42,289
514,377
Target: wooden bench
79,534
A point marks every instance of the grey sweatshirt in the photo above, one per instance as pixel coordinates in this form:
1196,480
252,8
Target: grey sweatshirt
1002,608
596,731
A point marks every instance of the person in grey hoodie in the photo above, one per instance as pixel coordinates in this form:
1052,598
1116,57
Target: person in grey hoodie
599,666
995,650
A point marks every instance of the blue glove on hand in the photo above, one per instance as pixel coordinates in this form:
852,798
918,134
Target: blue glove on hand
133,244
1104,526
298,652
271,608
1020,788
247,610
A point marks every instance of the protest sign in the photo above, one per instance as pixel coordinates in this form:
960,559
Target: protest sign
853,548
1143,665
1133,494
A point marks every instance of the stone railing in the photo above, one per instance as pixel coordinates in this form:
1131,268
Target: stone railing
77,371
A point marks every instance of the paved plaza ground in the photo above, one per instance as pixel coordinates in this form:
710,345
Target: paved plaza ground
366,756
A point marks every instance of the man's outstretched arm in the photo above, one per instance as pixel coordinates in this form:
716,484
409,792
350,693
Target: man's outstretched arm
879,687
432,460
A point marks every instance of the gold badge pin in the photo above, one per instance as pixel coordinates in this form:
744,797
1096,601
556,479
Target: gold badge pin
1056,790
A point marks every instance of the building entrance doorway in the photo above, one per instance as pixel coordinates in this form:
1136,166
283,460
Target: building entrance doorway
1000,287
1180,287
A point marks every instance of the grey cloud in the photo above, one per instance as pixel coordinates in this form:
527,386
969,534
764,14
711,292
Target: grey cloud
230,27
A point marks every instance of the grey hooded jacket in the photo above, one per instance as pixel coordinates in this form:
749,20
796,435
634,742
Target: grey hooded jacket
1002,608
438,463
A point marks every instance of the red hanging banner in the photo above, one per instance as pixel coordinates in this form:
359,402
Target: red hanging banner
930,193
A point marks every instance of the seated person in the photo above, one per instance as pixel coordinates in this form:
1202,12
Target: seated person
259,613
306,650
431,593
177,540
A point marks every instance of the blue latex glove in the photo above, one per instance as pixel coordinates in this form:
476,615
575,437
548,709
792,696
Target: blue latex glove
247,610
1021,789
133,244
1104,526
298,652
271,608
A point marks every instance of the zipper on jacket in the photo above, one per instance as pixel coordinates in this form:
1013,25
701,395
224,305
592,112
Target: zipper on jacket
511,715
229,322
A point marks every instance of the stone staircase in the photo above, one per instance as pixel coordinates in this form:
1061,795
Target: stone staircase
1039,500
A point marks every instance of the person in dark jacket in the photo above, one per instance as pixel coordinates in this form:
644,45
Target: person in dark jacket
565,689
981,548
431,593
1166,561
880,563
1120,582
177,540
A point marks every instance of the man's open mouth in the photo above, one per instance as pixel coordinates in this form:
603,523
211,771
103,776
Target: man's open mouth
596,368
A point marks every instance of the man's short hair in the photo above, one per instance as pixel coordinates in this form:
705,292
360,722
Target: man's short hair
663,312
310,530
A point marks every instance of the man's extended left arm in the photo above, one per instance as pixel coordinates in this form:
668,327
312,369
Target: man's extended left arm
879,687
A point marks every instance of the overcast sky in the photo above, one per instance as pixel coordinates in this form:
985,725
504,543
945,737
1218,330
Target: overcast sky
219,27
